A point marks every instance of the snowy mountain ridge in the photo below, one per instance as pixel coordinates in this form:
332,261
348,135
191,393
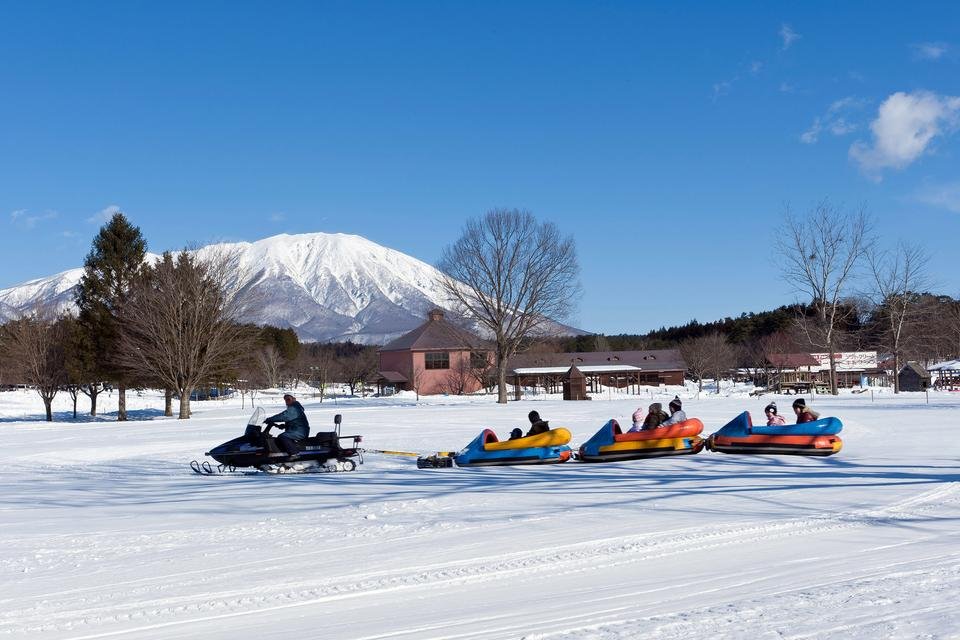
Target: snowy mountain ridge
327,286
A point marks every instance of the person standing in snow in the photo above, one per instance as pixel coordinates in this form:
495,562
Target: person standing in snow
804,413
677,414
773,418
295,426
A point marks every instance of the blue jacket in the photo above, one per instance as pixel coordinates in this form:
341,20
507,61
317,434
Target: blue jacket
294,420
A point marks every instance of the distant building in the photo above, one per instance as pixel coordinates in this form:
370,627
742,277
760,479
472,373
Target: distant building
436,357
621,369
946,375
790,372
913,377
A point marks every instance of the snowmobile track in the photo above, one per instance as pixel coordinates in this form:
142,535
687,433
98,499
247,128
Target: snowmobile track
149,608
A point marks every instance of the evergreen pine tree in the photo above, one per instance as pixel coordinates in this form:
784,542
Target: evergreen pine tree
111,268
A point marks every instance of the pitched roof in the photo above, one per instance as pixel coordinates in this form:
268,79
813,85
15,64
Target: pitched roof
917,369
436,333
792,360
393,376
652,360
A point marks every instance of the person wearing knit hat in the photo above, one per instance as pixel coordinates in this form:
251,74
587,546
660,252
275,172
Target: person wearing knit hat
803,412
773,418
677,414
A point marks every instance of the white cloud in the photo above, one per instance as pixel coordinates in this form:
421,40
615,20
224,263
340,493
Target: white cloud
945,196
278,217
24,220
930,50
788,36
721,89
103,216
905,126
811,135
835,121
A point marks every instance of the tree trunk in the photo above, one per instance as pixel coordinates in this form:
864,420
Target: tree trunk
74,396
185,404
121,402
168,403
700,382
833,373
501,380
93,400
47,402
896,370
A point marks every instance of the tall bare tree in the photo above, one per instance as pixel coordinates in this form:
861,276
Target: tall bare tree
511,274
899,278
711,353
268,357
821,253
34,348
182,325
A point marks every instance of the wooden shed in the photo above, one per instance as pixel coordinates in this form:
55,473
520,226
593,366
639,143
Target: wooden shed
574,385
913,377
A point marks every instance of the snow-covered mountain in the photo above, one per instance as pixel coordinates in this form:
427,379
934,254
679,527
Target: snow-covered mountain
325,286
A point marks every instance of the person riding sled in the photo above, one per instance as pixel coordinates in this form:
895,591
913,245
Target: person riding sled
295,426
773,418
804,413
677,414
656,416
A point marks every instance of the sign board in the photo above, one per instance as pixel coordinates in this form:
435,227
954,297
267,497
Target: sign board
847,360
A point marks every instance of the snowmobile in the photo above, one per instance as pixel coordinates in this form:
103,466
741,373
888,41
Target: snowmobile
610,443
255,448
817,438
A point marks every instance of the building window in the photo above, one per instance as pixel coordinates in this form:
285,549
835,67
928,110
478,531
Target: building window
479,360
438,360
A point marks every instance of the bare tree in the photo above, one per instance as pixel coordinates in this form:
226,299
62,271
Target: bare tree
458,378
510,274
356,369
34,348
706,354
898,279
821,253
415,376
269,360
181,326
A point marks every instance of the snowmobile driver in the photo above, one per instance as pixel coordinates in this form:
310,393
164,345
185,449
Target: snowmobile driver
295,426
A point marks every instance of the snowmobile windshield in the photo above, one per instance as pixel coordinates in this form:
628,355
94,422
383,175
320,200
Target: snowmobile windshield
257,417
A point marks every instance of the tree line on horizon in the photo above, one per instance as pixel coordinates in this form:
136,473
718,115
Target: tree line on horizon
177,324
174,325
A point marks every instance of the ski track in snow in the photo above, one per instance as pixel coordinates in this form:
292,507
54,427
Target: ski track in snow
199,595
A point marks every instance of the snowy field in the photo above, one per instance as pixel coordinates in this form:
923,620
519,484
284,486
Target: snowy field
105,532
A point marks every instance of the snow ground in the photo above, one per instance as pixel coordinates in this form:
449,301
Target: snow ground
105,532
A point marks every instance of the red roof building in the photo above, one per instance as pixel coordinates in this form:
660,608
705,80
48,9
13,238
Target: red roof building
436,357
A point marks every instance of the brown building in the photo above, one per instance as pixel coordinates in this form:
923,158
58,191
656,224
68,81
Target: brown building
620,369
436,357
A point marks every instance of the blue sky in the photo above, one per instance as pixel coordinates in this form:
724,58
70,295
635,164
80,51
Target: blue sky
666,138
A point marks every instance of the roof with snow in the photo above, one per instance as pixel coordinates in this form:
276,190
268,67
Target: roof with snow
436,333
947,365
916,368
532,371
652,360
